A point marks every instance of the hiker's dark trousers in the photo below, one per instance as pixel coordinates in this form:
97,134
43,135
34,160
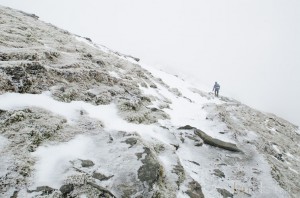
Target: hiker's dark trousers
217,92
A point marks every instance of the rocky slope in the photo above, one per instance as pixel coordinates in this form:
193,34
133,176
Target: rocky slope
79,120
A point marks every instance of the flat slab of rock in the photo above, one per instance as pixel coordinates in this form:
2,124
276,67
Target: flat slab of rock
101,177
216,142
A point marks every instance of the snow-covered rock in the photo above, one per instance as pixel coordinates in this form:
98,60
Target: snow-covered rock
80,120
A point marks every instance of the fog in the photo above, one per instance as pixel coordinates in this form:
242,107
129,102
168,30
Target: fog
251,47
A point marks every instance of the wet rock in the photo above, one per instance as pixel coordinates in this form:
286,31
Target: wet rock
87,163
195,190
66,189
225,193
219,173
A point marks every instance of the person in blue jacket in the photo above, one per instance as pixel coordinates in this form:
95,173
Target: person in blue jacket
216,89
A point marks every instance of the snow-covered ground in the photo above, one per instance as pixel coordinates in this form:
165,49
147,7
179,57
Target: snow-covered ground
100,122
53,160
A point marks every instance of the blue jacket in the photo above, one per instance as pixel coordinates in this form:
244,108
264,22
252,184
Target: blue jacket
216,86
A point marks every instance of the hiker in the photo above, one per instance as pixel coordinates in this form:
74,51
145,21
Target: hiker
216,89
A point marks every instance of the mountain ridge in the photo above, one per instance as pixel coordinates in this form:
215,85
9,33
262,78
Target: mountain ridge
64,98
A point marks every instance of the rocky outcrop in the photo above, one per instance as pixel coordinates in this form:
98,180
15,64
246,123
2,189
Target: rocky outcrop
194,190
211,141
274,137
215,142
88,74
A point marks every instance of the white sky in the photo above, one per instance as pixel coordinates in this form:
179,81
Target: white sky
252,47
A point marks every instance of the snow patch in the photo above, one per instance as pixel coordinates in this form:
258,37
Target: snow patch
54,161
3,142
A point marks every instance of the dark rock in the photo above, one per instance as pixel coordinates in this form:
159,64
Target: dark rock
111,139
30,15
149,172
2,111
134,58
131,141
225,193
215,142
186,127
101,177
182,139
15,195
88,39
139,155
198,143
176,146
195,190
88,55
179,171
66,189
62,89
194,163
100,62
279,157
154,109
19,78
153,86
219,173
87,163
45,189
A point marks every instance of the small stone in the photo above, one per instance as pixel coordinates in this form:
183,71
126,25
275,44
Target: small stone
198,143
87,163
44,189
101,177
225,193
219,173
186,127
131,141
66,189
